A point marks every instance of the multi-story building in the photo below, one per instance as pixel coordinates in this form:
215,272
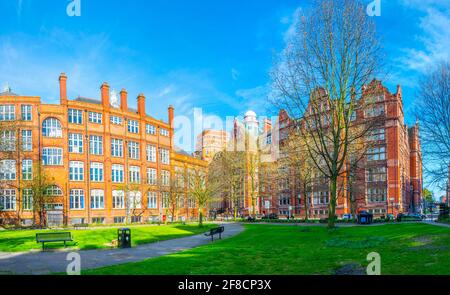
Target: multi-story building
107,162
388,180
210,142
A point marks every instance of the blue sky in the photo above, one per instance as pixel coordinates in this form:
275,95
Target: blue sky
212,54
201,53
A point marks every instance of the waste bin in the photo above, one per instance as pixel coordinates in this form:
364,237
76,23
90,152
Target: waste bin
365,217
124,238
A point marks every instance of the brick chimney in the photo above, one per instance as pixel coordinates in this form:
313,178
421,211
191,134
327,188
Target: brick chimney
123,100
171,111
63,89
141,104
105,94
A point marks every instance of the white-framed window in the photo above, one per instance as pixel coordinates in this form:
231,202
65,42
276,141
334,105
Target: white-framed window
51,127
376,174
76,199
116,120
7,141
27,169
75,143
353,116
135,174
165,177
7,112
150,129
376,195
375,111
8,170
377,134
52,156
164,155
135,199
26,112
7,199
376,154
96,172
151,153
164,200
151,176
164,132
133,150
191,202
118,200
76,171
27,199
97,199
321,197
96,145
133,126
117,173
152,200
53,190
95,117
116,147
27,141
75,116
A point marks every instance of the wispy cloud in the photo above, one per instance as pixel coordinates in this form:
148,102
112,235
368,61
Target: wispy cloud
234,74
292,21
19,8
434,36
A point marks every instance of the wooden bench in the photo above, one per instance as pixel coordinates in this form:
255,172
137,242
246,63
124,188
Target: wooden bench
214,231
80,225
53,237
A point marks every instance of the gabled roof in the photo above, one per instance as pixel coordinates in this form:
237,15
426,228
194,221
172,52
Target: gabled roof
8,93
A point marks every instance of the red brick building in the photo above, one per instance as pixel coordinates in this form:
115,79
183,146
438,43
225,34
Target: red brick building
107,161
388,180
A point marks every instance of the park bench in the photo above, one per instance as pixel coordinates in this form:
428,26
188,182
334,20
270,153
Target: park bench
53,237
80,225
214,231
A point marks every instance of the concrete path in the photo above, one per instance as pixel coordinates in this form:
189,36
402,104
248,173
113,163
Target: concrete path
41,263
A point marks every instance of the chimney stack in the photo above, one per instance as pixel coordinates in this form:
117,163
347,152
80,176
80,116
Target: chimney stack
63,89
141,104
123,100
171,109
105,94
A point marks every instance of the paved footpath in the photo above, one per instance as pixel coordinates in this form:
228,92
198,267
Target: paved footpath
41,263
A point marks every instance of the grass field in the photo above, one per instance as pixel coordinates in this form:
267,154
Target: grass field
24,240
271,249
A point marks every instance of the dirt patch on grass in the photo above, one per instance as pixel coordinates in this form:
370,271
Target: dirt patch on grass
350,269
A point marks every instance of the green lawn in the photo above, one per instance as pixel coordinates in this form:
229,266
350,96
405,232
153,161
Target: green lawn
271,249
24,240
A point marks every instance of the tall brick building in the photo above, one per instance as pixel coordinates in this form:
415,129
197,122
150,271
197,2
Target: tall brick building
107,161
387,181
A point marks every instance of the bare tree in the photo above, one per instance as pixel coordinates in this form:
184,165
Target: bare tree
433,112
332,55
226,173
201,190
39,186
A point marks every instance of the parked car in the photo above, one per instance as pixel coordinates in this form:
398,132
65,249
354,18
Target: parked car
250,218
270,216
347,216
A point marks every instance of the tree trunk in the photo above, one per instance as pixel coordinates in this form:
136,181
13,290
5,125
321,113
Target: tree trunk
200,217
332,205
306,208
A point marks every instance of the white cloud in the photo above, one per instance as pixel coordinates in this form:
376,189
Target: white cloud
434,37
293,21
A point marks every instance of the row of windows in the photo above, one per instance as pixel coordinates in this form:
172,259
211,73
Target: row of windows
76,117
8,200
96,172
8,140
8,112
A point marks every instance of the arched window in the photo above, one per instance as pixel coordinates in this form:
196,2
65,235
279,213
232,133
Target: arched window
51,127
